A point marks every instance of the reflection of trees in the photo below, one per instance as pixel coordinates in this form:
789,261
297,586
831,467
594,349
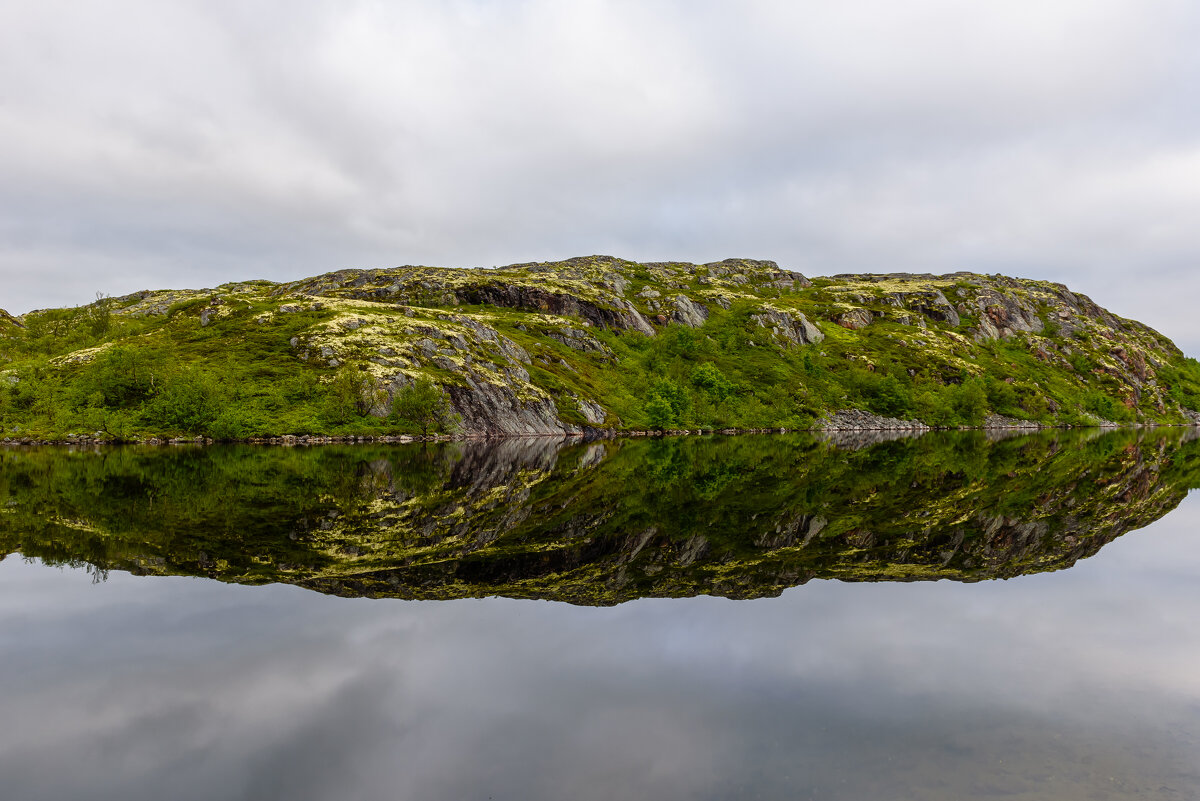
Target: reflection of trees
599,522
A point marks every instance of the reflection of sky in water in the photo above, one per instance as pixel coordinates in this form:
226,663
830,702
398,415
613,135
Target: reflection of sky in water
1081,684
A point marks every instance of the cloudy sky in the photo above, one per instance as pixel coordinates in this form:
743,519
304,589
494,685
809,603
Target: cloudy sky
160,143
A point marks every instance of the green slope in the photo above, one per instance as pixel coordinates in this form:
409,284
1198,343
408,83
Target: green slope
592,342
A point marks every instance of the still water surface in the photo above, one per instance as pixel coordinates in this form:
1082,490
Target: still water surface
1080,682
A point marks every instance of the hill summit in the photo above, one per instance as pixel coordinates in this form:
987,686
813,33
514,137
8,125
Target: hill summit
593,343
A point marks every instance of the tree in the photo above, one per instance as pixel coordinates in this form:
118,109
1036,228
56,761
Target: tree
667,404
186,401
353,392
423,405
971,403
659,413
709,378
99,315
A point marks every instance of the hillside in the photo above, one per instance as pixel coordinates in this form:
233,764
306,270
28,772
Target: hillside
589,343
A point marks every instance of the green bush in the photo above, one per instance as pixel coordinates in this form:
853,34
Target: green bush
188,401
422,407
351,395
712,381
970,403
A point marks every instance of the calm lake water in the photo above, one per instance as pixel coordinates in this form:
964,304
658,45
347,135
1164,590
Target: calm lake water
323,623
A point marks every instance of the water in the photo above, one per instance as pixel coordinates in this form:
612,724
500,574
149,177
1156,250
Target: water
1073,679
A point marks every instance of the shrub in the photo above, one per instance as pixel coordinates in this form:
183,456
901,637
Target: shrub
970,403
187,401
710,379
352,393
423,406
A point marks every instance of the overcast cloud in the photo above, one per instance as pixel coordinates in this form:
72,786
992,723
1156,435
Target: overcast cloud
165,143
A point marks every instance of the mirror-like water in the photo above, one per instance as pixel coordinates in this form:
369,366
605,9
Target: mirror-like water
597,523
1071,683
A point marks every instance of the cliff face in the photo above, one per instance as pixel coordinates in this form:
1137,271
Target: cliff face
600,342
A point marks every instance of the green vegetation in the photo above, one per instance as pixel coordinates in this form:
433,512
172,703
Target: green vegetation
422,407
599,522
596,341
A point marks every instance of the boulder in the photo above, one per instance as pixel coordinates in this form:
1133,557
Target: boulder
788,329
854,319
688,312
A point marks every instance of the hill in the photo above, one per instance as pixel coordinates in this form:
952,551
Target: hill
588,343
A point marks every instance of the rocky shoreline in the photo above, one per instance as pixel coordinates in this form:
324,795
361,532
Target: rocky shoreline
850,428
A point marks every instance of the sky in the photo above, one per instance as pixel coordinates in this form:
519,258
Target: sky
1074,684
185,143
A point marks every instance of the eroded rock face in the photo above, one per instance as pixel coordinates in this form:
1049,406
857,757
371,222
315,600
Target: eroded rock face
788,329
688,312
8,319
1001,314
929,302
782,279
579,340
621,316
854,319
593,412
498,410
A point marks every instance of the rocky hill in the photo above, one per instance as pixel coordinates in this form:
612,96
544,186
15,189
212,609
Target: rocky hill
594,343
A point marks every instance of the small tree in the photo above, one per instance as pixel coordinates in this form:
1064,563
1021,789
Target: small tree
709,378
99,315
423,405
659,413
971,403
187,401
352,393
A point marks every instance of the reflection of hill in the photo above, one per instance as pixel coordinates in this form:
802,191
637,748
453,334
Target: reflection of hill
596,523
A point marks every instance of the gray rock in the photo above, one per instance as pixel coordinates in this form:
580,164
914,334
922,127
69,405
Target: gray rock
854,319
929,302
594,413
578,340
488,409
788,329
688,312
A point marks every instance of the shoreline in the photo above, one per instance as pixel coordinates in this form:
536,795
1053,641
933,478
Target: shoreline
831,427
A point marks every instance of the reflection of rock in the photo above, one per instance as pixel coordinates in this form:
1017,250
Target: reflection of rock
600,522
484,466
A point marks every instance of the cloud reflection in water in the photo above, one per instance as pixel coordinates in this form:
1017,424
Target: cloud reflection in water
1072,684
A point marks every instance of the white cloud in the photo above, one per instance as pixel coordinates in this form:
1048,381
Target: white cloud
194,142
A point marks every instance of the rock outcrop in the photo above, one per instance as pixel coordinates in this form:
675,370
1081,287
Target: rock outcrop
788,329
